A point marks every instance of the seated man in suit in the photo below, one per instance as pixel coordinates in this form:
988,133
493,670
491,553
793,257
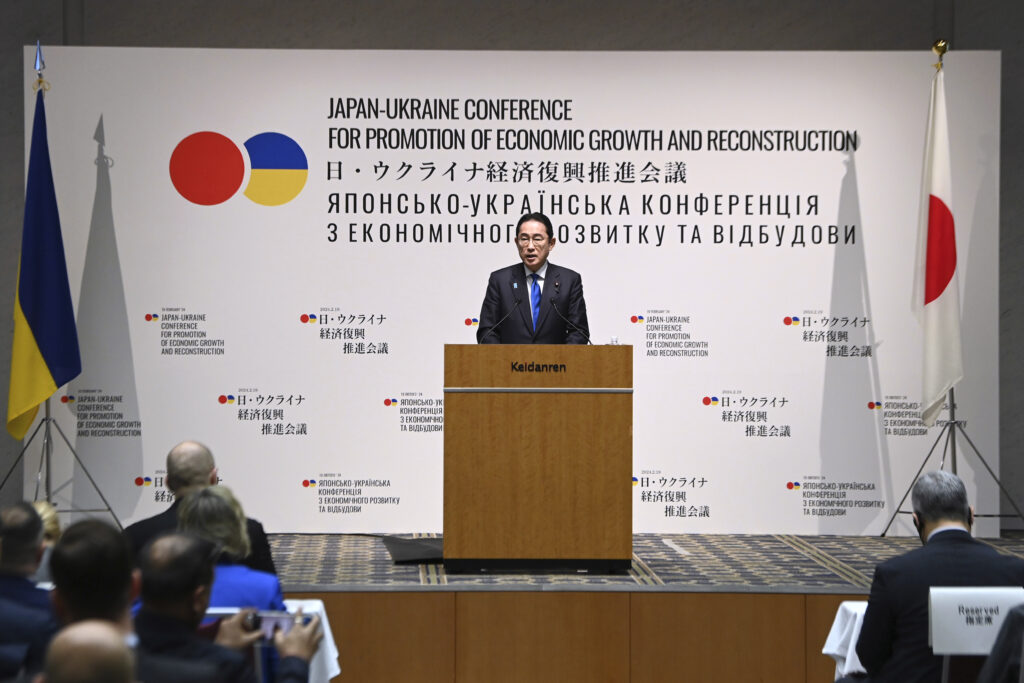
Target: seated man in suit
26,618
893,644
95,580
534,302
190,466
177,578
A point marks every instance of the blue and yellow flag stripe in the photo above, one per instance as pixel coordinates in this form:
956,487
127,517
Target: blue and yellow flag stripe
44,353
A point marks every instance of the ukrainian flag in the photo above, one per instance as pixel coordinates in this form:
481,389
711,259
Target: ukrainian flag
45,348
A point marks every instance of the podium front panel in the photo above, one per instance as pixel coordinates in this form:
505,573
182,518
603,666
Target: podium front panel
538,469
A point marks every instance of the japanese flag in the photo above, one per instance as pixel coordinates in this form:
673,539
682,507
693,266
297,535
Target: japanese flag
936,290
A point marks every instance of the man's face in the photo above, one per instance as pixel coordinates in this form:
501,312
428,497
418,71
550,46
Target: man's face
534,244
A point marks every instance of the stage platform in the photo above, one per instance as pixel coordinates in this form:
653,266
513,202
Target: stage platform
674,562
695,607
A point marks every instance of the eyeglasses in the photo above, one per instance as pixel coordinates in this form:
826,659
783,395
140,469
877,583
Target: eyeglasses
536,239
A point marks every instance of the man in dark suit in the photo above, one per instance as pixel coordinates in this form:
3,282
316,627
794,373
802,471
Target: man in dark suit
177,578
26,618
534,302
893,644
95,580
190,466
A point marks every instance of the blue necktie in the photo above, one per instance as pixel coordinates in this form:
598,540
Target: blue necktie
535,299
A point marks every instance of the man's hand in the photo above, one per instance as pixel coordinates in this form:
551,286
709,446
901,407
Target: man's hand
302,641
233,633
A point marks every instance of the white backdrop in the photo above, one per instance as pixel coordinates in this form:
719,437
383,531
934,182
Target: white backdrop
760,269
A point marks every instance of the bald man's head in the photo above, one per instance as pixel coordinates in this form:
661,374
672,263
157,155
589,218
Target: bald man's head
189,465
177,576
89,652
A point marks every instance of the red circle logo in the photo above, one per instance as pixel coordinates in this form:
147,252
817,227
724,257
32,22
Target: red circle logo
207,168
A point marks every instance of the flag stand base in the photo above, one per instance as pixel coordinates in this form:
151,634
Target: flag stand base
950,430
44,461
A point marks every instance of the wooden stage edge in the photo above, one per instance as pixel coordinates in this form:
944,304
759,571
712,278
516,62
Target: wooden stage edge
503,633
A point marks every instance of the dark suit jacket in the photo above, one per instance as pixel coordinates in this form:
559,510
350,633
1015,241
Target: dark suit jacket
1003,663
25,631
893,644
164,638
563,289
24,592
145,530
151,668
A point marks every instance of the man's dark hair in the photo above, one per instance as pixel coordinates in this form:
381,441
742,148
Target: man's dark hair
540,218
174,565
940,495
22,531
91,566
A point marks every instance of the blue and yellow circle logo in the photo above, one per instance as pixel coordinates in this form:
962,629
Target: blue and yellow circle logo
207,168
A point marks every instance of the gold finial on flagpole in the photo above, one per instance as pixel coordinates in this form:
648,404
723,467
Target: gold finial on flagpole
940,47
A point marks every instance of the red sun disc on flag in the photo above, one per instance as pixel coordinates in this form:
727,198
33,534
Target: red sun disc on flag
941,255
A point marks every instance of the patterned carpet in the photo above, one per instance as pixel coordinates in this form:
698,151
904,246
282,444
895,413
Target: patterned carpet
703,563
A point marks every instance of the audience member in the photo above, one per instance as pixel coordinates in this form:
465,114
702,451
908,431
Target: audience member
24,635
215,514
190,466
26,618
51,523
94,579
51,532
893,644
89,652
22,549
177,579
93,575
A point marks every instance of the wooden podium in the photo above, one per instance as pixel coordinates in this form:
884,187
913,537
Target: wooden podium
538,457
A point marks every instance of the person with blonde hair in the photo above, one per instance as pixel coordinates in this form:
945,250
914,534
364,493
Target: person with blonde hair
213,513
51,525
51,533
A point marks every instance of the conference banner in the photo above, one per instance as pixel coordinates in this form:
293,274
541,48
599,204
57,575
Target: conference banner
268,251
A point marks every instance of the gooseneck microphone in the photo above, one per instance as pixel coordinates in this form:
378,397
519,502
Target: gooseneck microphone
503,319
569,322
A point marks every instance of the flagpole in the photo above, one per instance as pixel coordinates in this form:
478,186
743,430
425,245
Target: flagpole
940,47
952,441
48,452
58,360
932,403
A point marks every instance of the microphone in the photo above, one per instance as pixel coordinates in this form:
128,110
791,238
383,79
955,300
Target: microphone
569,322
494,327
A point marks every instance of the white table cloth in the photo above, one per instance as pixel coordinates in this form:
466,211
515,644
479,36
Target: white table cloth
841,644
324,665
